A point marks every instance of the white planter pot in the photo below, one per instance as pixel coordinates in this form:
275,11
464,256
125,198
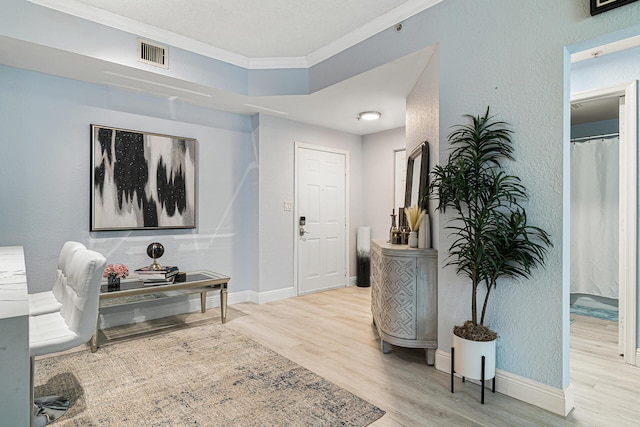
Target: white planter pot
467,358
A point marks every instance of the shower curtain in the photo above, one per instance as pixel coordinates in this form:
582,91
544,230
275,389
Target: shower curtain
594,217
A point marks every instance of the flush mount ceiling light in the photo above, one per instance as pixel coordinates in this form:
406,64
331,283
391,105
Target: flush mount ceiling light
369,115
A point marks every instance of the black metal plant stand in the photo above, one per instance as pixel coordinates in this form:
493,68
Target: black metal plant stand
493,385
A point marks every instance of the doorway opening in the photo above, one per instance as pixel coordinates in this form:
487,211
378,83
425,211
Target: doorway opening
608,137
603,213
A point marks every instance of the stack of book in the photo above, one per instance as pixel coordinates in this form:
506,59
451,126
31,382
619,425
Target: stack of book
157,277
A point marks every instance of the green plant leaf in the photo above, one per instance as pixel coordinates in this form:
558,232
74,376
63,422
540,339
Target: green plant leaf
491,237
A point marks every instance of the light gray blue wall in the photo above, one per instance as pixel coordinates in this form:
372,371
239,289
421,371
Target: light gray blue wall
44,122
378,164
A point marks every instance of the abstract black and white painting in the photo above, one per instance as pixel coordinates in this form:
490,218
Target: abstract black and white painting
141,180
599,6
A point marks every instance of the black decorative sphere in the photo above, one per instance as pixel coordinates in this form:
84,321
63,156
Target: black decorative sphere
155,250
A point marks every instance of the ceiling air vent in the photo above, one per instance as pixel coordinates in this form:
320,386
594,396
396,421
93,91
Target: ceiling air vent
153,54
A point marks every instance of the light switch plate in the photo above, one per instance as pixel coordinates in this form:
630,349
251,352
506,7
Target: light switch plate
288,206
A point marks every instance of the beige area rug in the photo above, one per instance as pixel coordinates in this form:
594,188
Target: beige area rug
199,376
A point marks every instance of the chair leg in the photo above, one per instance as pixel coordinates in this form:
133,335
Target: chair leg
32,405
453,371
46,409
482,382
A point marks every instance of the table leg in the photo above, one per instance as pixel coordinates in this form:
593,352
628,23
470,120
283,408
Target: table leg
223,302
203,301
431,356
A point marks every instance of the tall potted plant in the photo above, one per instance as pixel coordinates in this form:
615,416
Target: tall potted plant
491,237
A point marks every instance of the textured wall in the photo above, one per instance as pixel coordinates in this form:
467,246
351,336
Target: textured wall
423,115
511,56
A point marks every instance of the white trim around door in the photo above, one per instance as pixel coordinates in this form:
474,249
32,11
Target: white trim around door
296,227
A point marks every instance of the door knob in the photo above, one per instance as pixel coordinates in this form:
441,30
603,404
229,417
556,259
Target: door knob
303,232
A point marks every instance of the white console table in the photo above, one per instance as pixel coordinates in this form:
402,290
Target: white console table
404,296
15,393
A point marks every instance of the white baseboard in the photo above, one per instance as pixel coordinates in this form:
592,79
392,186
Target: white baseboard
270,296
541,395
353,281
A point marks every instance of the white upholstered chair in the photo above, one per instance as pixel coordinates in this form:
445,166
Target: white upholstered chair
51,301
73,325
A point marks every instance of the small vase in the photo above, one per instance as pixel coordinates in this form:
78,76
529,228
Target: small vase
424,235
413,239
113,283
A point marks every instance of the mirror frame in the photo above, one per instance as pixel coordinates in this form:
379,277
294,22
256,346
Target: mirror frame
422,169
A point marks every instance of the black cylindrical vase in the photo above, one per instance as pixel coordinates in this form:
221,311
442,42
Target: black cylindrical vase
363,257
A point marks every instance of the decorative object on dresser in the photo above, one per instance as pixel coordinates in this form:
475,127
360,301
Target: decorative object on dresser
404,296
403,228
490,235
414,218
424,232
141,180
394,231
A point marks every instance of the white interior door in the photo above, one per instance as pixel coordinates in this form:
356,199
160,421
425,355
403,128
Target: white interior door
321,200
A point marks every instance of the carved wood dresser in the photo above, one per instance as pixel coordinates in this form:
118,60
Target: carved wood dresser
404,296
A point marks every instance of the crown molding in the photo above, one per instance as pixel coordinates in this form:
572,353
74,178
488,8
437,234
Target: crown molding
374,27
102,17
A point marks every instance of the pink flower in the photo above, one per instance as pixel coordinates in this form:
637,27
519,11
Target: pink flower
116,270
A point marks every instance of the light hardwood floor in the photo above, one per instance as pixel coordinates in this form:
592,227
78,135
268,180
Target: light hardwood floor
331,334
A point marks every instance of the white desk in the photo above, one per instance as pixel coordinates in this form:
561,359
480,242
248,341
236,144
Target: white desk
14,338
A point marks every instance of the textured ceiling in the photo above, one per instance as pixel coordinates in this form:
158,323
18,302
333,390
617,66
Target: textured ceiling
255,28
